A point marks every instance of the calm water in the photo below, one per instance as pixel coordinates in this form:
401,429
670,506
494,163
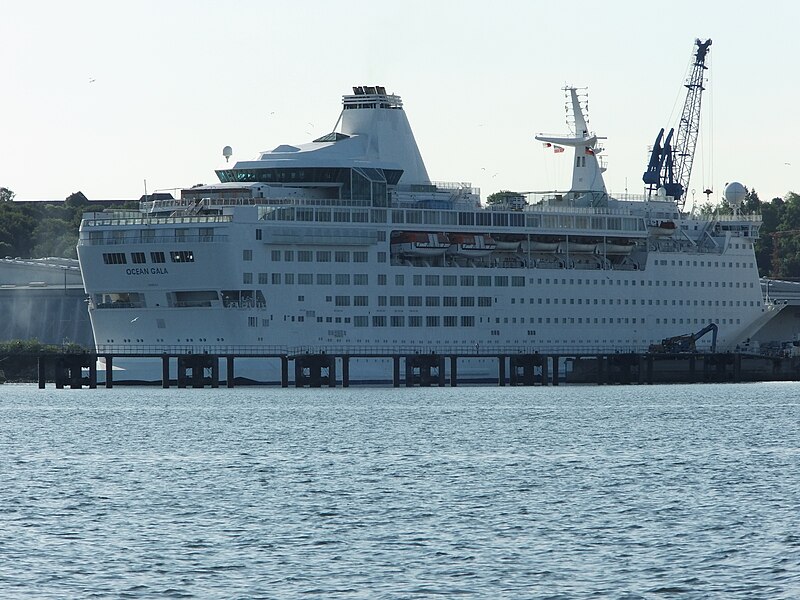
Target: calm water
590,492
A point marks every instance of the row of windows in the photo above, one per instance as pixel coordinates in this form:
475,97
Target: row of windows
469,321
395,301
717,263
323,256
633,301
138,258
363,279
464,280
632,282
414,321
309,278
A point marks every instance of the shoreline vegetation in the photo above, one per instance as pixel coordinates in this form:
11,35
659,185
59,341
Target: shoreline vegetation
19,359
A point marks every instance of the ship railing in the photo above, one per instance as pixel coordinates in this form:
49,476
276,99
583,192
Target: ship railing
578,210
463,350
172,349
733,218
157,239
468,349
106,219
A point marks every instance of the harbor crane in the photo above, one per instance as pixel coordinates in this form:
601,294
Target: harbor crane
686,342
670,165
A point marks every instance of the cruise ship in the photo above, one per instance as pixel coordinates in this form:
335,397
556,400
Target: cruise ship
344,244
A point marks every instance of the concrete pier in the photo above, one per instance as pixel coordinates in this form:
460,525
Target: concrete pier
426,369
315,370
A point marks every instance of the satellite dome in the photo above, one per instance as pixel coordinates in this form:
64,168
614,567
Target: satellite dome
227,152
735,193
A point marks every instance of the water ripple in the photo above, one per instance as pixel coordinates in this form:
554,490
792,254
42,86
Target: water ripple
608,492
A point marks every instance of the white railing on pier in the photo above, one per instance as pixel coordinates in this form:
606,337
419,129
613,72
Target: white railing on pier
374,351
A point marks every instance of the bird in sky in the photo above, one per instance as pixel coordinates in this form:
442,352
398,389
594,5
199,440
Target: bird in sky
91,80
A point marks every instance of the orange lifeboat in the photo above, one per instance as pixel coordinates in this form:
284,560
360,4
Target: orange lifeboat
471,244
662,228
419,243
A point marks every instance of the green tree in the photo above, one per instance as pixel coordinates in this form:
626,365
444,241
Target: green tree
55,237
6,195
502,197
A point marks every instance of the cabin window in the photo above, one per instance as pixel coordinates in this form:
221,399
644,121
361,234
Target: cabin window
181,256
114,258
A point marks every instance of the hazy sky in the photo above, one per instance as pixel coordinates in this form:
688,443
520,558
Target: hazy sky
98,96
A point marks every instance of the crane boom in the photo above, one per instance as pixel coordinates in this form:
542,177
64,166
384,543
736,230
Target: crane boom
670,164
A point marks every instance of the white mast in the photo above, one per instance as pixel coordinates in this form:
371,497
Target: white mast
587,173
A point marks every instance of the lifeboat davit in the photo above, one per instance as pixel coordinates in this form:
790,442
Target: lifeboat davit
419,243
618,248
469,244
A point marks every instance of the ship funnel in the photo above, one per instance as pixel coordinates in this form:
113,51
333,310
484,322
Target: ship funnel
380,120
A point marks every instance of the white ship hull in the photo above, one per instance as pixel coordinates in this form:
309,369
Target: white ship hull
281,269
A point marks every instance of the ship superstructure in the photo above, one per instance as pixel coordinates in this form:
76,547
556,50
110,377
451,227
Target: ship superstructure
345,244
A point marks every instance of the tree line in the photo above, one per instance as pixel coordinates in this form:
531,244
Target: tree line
40,229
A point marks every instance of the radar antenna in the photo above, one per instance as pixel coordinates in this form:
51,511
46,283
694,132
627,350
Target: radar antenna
670,164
